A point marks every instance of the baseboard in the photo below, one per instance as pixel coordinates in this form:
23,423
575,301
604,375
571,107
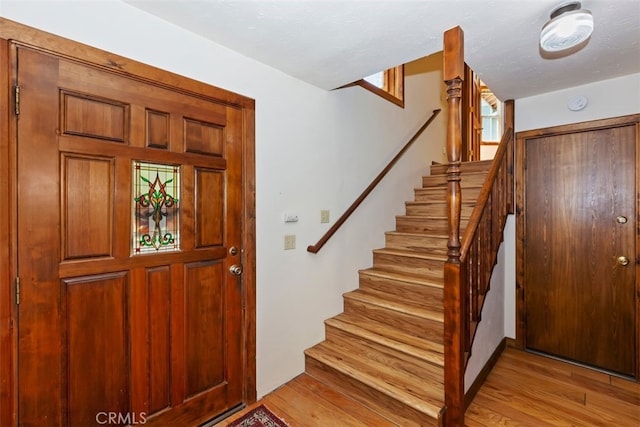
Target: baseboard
513,343
484,373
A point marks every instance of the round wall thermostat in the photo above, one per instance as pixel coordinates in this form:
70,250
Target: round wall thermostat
577,103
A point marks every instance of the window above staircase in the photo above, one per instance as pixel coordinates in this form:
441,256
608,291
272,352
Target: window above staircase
388,84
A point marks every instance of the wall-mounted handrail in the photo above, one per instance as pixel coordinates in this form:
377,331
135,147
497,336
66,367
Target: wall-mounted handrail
315,248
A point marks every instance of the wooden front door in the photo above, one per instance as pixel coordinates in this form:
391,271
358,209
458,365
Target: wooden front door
128,206
580,231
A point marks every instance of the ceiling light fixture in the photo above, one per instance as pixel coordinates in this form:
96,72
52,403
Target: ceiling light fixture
569,26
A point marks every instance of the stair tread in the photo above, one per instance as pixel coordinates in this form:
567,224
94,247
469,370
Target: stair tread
435,202
419,280
379,333
410,254
410,391
478,165
413,233
394,305
469,179
425,217
463,186
464,174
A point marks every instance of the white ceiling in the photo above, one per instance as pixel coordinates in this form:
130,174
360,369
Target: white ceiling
329,43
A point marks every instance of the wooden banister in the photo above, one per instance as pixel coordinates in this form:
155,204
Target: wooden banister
483,235
343,218
470,260
484,198
454,298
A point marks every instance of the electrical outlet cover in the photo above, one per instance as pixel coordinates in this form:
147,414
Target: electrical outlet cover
289,241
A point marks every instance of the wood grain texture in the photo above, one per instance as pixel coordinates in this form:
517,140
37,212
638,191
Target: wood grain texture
386,349
530,390
523,389
307,402
7,249
180,347
597,170
159,131
580,301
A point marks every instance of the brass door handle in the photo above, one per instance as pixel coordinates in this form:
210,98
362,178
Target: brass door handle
236,270
623,260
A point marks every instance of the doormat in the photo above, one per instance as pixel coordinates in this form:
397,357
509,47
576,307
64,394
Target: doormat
260,416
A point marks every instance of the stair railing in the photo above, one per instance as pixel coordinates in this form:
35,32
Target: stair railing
343,218
470,261
483,235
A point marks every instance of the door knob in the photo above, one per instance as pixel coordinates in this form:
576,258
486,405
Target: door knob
623,260
235,269
621,219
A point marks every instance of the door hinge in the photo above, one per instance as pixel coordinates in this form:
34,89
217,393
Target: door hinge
17,291
17,99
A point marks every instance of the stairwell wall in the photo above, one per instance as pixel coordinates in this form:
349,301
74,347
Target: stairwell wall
315,149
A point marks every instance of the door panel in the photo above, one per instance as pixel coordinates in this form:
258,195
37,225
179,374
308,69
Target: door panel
580,301
95,346
103,328
204,335
87,207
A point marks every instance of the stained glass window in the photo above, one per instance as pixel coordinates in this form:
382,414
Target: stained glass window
156,212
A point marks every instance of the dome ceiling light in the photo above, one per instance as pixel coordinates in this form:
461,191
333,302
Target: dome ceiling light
568,27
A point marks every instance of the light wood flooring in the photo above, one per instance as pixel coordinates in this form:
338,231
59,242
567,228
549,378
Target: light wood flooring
523,389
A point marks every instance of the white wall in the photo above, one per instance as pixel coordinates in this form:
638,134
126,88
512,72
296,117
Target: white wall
315,149
491,329
606,99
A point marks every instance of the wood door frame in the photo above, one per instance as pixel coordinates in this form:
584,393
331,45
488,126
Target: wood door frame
14,32
521,187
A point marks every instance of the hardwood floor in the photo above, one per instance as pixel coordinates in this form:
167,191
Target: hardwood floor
523,389
306,402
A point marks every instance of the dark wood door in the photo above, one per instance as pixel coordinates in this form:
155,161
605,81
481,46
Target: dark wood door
128,205
580,232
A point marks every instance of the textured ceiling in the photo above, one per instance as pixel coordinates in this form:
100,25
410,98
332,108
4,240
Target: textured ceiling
329,43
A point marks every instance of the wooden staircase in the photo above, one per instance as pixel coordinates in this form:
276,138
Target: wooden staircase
386,349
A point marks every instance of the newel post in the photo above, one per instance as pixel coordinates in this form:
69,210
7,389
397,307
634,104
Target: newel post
453,294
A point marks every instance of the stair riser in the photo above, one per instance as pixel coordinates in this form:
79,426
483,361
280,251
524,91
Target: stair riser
392,409
436,209
345,339
426,225
468,180
416,242
430,297
409,265
418,326
469,195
